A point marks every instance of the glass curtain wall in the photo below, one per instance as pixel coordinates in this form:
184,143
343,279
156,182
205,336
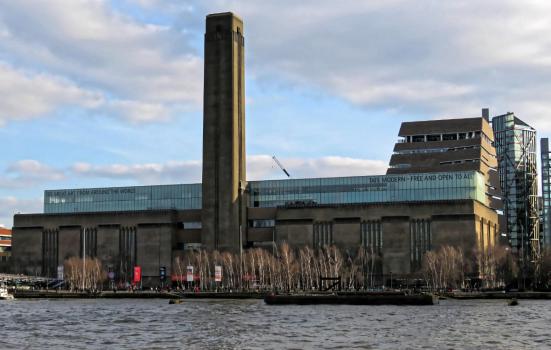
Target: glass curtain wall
515,143
546,193
123,198
273,193
368,189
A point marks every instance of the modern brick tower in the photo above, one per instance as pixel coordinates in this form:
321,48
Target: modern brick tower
449,145
224,179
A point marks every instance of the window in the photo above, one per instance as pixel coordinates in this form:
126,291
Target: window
432,138
401,166
262,223
192,225
448,137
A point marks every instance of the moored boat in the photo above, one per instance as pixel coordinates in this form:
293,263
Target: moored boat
351,299
4,293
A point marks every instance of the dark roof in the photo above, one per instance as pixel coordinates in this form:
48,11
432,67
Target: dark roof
518,122
441,126
224,14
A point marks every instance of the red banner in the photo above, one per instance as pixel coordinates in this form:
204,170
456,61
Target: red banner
137,274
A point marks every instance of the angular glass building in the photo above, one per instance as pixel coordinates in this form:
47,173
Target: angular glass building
545,191
515,143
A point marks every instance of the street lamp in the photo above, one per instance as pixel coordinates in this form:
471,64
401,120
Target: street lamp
83,257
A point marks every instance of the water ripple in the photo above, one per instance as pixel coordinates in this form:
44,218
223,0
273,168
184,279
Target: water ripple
250,324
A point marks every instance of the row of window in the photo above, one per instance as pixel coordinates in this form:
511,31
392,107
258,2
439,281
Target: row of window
460,161
137,193
436,150
442,137
262,223
194,203
341,190
357,198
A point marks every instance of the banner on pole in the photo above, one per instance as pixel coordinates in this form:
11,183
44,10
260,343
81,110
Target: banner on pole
137,274
189,274
218,274
60,272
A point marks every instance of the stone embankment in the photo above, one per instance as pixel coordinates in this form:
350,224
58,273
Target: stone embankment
63,294
53,294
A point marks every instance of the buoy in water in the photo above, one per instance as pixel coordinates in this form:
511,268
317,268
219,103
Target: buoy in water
513,302
175,301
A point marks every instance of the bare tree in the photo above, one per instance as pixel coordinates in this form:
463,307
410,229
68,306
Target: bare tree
287,261
89,276
504,265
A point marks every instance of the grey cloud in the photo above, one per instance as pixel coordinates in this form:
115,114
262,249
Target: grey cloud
29,172
148,173
437,58
88,43
434,58
25,95
258,167
26,173
261,167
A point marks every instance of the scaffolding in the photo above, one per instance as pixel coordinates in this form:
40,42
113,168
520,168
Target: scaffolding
515,143
546,192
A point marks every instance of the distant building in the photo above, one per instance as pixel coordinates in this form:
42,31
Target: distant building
399,216
546,191
5,244
517,159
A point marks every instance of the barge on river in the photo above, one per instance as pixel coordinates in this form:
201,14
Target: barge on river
383,298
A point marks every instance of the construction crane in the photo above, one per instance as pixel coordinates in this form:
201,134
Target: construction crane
281,166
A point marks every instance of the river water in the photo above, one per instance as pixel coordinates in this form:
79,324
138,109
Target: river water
250,324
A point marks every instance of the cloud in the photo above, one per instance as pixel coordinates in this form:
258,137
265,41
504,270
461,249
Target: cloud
11,205
29,172
26,173
136,111
31,168
26,95
432,58
144,72
435,58
259,167
148,173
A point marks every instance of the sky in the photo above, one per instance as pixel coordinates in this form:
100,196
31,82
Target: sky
109,93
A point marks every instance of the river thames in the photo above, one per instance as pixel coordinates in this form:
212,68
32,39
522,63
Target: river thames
250,324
